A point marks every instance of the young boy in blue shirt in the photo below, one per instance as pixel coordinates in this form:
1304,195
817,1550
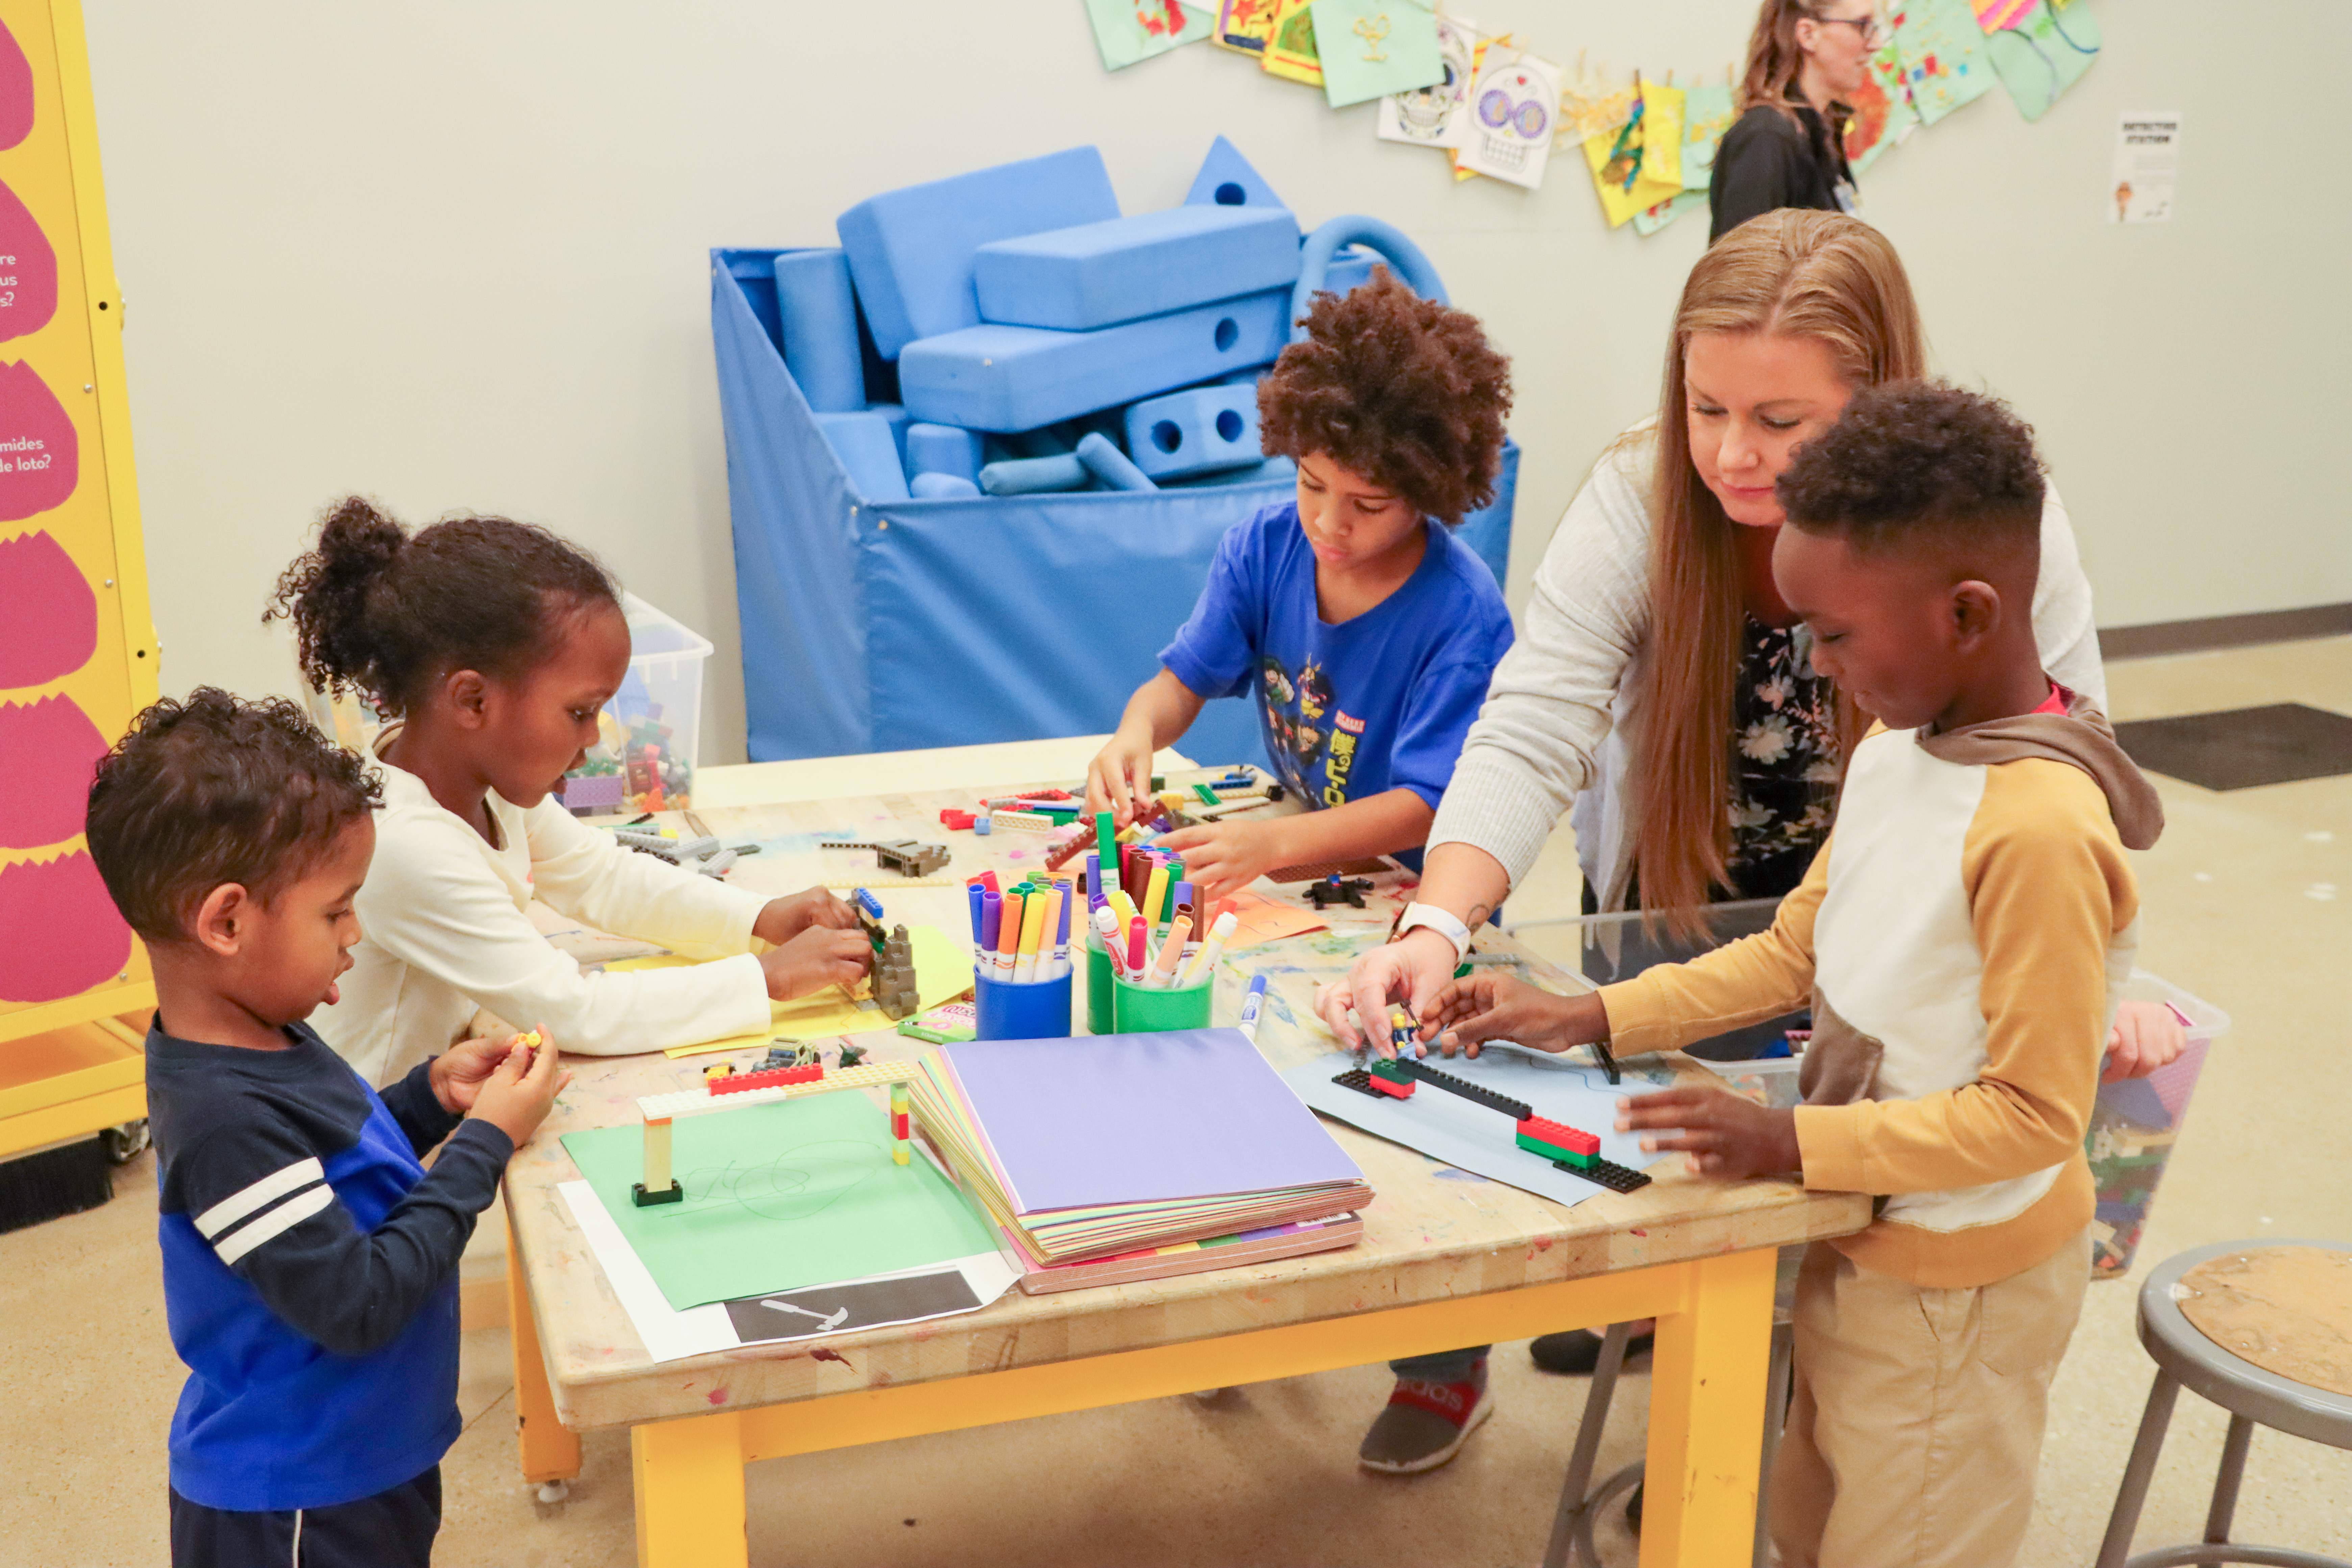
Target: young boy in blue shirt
310,1260
1367,630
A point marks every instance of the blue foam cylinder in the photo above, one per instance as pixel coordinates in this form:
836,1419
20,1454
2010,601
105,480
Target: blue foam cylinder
820,329
943,449
1108,463
1226,180
1349,270
1033,476
941,487
910,250
1412,268
1196,431
1100,274
1017,378
862,441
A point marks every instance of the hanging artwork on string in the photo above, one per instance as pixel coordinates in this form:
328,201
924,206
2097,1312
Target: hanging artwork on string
1883,114
2040,51
1243,27
1639,164
1512,110
1592,102
1649,220
1707,113
1372,48
1941,50
1130,31
1434,116
1290,51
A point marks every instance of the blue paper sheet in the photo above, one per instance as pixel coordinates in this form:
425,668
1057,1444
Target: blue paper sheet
1115,1118
1470,1137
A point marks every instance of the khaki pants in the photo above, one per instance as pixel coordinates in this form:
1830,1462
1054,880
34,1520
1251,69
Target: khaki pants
1915,1430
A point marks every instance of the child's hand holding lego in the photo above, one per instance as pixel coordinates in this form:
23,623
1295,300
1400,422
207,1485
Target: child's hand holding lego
1120,778
1468,1013
2146,1036
519,1091
1726,1137
818,957
458,1073
784,919
1221,858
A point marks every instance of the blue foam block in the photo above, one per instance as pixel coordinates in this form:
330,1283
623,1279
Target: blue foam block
1272,470
1033,476
862,441
1100,274
1226,180
943,449
1017,378
1108,463
820,326
896,414
910,250
1194,431
941,487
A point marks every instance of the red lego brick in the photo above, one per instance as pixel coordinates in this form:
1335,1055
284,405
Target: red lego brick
959,820
1560,1135
773,1078
1390,1088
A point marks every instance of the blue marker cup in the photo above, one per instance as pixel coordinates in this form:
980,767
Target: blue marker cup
1007,1012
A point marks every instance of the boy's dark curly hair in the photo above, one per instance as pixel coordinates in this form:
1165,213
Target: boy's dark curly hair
380,612
212,789
1404,390
1916,463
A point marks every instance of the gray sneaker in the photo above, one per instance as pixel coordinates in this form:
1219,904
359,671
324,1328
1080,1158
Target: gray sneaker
1425,1424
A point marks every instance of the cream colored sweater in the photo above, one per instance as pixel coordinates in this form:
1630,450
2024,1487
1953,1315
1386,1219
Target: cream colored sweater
445,931
1564,705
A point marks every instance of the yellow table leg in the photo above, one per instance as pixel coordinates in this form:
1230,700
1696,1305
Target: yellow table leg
689,1486
551,1451
1706,1416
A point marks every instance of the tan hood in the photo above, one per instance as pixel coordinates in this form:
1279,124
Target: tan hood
2082,737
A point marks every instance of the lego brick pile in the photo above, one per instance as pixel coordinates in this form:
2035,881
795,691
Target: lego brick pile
1039,340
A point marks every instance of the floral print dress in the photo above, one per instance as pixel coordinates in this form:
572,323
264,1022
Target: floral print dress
1784,761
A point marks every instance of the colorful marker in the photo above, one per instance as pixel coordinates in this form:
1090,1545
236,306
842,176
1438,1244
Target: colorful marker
1033,937
1135,949
1106,932
1008,937
1163,968
1205,965
1251,1005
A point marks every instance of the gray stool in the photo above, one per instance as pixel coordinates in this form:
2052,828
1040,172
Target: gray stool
1571,1526
2185,1358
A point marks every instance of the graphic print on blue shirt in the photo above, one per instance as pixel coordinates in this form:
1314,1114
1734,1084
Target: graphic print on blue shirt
310,1265
1378,702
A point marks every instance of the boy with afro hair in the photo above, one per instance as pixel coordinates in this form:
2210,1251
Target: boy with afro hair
1367,630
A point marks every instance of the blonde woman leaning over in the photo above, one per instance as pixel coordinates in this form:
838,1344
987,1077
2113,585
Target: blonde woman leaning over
1659,684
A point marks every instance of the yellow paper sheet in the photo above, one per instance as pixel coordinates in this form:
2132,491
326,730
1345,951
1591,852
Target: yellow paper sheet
942,972
1656,142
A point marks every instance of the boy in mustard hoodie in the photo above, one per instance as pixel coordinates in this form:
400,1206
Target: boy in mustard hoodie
1960,940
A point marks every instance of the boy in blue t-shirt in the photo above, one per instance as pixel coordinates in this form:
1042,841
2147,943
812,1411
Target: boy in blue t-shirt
310,1260
1367,630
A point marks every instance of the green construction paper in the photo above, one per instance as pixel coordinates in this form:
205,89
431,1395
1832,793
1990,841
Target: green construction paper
1942,52
777,1196
1371,49
2040,54
1130,31
1707,113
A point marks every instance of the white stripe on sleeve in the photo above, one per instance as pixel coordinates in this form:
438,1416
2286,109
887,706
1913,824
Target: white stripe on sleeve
285,1216
270,1188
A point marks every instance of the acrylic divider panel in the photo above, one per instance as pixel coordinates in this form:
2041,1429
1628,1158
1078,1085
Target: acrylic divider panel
779,1197
78,653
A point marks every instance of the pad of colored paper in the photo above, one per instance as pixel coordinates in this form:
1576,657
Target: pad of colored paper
1110,1144
779,1195
1261,919
942,972
1468,1136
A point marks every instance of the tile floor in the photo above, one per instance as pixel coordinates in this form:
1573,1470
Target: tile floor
2249,902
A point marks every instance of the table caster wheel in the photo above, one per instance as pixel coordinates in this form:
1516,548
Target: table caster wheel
555,1491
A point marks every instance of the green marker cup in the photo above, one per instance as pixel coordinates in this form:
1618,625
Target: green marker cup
1142,1010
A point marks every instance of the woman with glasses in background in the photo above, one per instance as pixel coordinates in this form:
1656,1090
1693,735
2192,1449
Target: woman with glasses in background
1805,61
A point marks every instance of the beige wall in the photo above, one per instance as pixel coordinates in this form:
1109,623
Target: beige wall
452,255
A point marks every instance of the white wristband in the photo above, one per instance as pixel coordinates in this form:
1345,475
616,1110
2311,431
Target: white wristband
1442,922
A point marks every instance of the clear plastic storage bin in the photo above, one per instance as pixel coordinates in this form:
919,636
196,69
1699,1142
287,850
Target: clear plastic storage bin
651,730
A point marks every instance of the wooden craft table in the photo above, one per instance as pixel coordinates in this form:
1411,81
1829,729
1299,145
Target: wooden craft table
1442,1263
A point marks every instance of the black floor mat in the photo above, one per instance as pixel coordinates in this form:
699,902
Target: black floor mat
2243,747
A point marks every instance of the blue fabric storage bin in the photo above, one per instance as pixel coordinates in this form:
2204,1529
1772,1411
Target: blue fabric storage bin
899,625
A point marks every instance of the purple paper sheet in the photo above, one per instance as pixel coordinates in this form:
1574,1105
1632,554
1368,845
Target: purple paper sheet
1121,1118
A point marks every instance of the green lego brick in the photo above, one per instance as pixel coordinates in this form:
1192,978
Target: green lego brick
1208,797
1553,1151
1388,1068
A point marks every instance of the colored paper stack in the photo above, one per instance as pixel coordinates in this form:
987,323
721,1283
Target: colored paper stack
1088,1148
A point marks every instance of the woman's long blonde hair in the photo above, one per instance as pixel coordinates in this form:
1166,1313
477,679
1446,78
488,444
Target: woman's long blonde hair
1821,276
